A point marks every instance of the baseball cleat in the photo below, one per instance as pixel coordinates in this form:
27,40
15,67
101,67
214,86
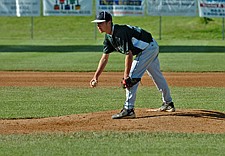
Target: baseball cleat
167,107
125,114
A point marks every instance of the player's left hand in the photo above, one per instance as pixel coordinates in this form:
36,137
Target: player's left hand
129,82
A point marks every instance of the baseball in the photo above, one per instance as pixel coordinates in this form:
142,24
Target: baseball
94,83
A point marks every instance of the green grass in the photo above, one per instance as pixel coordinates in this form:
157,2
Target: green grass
49,61
195,62
109,143
36,102
28,102
88,61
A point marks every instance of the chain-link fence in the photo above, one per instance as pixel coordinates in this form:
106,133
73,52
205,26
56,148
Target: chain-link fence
81,28
46,28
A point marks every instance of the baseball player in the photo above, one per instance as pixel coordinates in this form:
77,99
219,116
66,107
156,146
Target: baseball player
132,41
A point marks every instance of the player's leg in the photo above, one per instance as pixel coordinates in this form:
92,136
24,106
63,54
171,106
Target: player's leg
138,68
154,72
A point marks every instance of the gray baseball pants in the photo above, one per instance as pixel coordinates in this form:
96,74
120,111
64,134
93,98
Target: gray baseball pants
147,61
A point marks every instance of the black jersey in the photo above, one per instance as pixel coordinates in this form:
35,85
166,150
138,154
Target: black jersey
126,38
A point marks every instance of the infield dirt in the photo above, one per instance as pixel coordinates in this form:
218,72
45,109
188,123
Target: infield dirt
185,121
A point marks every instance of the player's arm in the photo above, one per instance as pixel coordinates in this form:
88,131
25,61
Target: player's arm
101,65
128,63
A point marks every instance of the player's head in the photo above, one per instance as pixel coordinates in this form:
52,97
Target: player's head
103,17
104,22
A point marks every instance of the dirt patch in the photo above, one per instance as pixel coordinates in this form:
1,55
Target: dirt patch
81,79
186,121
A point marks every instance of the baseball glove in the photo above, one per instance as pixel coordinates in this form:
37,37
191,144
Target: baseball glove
129,82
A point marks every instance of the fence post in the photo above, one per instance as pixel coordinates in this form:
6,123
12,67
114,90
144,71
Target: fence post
32,28
223,28
160,27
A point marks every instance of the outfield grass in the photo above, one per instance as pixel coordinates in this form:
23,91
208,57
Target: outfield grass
81,28
88,61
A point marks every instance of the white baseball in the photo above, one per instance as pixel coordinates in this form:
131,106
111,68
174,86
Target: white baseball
94,83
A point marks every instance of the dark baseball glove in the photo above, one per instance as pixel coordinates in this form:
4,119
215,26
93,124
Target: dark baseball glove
129,82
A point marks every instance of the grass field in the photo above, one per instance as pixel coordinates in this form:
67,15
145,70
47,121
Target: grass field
109,143
88,61
29,102
51,50
19,102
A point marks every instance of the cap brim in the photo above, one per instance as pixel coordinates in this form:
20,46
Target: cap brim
97,21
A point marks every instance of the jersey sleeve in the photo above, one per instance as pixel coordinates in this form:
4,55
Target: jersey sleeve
107,46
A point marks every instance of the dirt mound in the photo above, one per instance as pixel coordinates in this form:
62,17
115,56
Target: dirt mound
185,121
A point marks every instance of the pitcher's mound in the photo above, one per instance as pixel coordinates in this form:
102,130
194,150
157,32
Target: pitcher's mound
184,121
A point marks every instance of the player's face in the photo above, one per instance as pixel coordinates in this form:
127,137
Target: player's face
104,27
101,27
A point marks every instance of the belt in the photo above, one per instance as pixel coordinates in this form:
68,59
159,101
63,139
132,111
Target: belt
147,46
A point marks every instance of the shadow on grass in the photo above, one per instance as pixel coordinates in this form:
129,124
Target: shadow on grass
98,48
193,113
